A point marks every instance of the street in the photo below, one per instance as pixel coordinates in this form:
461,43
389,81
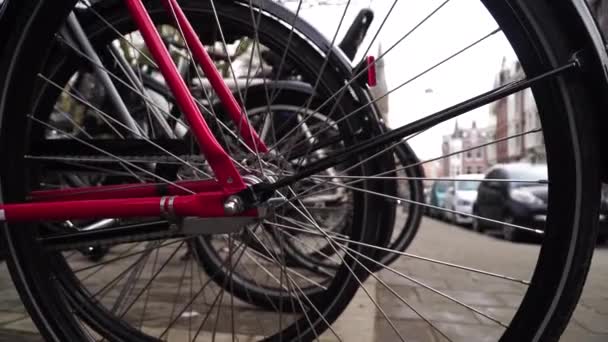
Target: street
428,288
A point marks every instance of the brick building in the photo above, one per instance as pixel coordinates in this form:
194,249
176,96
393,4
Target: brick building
514,118
473,160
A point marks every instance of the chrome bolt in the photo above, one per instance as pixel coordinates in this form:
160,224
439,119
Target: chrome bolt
233,205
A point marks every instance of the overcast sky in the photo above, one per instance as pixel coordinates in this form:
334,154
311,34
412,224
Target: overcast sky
453,27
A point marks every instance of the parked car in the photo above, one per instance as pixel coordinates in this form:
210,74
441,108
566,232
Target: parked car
436,197
512,202
460,196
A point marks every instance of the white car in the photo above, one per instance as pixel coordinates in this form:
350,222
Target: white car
460,196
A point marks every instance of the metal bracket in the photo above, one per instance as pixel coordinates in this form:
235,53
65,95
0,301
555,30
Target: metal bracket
214,225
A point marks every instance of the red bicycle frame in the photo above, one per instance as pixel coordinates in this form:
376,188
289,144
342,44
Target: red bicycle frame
194,198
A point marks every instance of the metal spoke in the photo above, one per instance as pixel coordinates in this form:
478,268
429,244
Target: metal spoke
132,87
430,288
102,266
164,264
115,30
291,280
147,296
262,256
256,41
197,294
129,285
414,256
119,104
211,109
390,289
112,283
109,160
405,167
415,77
346,86
244,113
425,123
111,155
480,180
90,168
284,54
69,117
307,245
361,286
320,73
102,113
396,198
179,289
120,257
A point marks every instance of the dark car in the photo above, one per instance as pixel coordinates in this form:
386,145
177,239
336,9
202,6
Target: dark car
519,203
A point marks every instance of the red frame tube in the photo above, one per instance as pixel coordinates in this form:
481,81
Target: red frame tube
208,204
152,200
238,116
124,191
219,160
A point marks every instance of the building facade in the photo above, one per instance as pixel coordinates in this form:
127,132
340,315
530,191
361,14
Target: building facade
464,157
516,122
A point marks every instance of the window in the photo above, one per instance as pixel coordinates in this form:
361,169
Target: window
479,169
479,153
469,170
468,154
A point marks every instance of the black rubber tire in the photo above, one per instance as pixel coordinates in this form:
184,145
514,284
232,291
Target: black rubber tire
477,225
509,233
407,158
270,298
541,40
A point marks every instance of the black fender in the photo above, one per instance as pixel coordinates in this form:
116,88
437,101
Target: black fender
313,35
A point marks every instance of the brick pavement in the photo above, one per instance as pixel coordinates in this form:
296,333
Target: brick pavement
364,322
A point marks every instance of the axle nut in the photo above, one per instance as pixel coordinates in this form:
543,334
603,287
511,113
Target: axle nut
233,205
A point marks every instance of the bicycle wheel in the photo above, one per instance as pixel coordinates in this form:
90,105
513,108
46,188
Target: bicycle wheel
98,319
558,266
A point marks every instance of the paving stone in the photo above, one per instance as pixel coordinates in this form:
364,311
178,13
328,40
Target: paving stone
599,305
186,335
503,314
359,314
474,298
576,333
470,332
25,324
391,278
583,337
10,301
19,336
591,320
415,267
411,331
437,312
510,299
361,321
386,296
7,317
